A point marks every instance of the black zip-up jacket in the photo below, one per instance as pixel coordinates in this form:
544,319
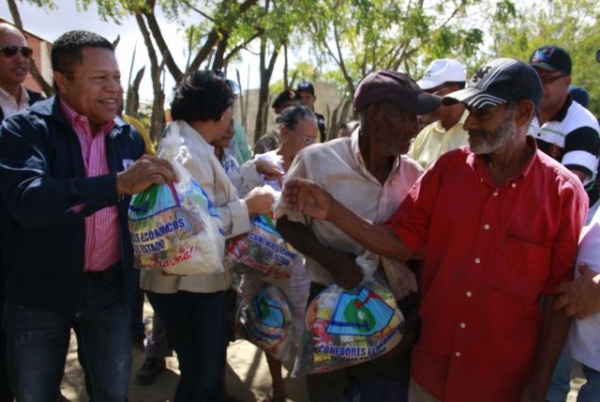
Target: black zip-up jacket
33,98
42,178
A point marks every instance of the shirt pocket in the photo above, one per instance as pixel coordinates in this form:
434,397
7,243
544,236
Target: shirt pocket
523,269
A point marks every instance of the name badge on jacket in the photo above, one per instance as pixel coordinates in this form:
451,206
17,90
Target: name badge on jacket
127,163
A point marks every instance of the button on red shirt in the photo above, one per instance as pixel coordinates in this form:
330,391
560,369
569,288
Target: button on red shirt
491,252
102,232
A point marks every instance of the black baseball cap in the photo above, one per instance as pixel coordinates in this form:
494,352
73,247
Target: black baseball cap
285,96
305,86
551,58
394,87
498,82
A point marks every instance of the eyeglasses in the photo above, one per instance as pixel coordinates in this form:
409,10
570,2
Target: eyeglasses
306,139
11,50
549,79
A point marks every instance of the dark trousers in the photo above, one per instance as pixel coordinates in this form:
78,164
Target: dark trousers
138,327
197,330
6,394
38,341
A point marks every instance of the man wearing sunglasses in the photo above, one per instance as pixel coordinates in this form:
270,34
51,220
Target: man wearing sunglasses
14,67
564,129
443,130
15,57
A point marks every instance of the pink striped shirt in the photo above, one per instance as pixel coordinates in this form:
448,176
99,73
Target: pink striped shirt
102,230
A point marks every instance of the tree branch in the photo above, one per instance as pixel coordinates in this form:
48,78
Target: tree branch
211,40
162,44
235,50
202,13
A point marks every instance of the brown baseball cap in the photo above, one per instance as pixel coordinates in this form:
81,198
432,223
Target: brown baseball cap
397,88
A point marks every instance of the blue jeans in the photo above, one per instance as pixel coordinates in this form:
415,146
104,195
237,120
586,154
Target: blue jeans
138,325
38,342
560,384
197,330
6,393
590,391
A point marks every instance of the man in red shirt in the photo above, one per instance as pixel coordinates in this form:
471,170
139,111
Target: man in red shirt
500,221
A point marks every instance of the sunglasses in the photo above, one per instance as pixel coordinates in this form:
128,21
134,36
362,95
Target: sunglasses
11,50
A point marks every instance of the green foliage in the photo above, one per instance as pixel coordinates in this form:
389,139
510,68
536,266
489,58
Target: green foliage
505,11
364,36
340,41
303,71
571,24
460,43
108,10
47,4
144,114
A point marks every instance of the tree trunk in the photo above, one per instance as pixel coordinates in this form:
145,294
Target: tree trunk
286,82
218,62
154,28
157,120
133,96
342,113
266,71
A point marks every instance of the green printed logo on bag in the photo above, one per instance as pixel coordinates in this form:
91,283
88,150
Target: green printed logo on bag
165,219
355,314
154,200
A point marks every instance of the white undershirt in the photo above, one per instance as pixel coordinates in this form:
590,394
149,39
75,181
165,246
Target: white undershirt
583,341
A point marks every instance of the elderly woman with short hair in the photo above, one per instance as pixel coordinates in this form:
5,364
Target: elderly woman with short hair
193,306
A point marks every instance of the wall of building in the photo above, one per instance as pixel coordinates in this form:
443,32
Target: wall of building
328,99
41,57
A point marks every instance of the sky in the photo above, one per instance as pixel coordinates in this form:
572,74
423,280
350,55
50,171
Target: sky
51,24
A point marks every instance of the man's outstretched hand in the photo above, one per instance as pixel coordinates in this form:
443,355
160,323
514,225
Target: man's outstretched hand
307,198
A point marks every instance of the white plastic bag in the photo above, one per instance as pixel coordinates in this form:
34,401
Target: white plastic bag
174,227
262,252
348,327
266,321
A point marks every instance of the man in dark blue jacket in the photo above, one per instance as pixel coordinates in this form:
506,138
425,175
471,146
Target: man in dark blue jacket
15,58
67,169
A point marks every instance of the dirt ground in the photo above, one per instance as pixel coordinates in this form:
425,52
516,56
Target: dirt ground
247,376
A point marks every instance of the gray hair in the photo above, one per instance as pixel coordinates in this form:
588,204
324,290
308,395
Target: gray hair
291,116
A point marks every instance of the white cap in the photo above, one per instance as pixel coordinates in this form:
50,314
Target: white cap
442,70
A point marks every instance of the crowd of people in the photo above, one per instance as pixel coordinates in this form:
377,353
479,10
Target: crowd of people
476,199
